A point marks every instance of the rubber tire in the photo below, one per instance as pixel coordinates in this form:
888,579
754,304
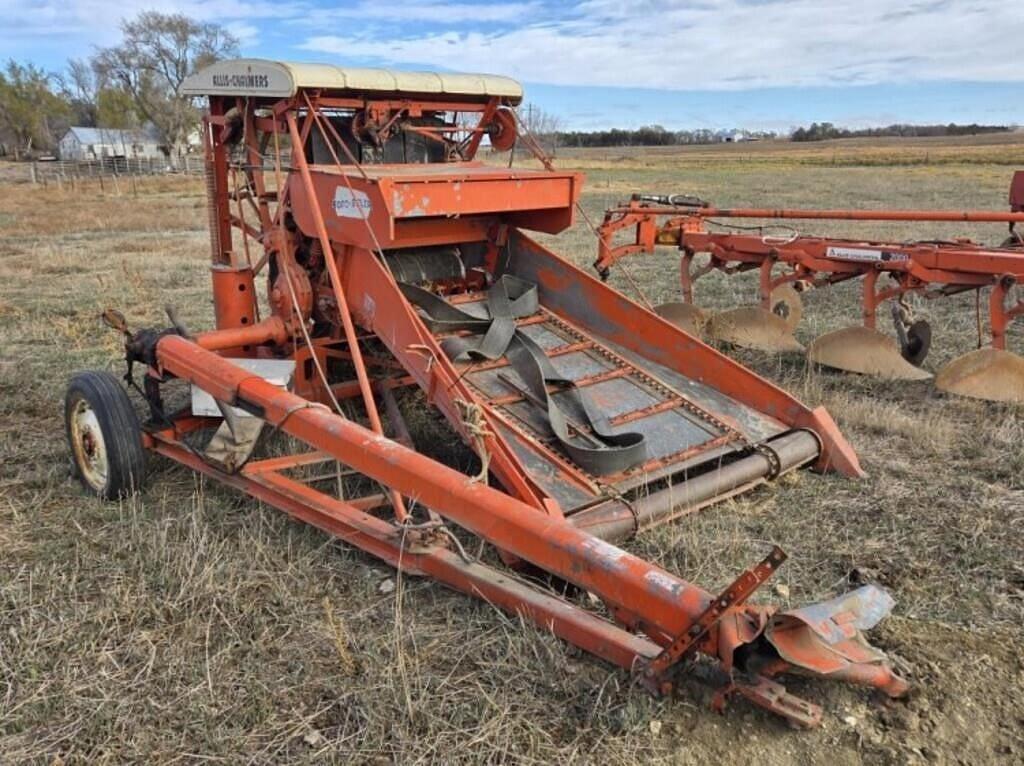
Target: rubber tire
119,425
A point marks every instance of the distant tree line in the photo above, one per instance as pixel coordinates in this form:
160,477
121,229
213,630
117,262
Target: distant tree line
125,86
656,135
822,131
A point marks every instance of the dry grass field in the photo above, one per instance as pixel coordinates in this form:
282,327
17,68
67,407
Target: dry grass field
191,624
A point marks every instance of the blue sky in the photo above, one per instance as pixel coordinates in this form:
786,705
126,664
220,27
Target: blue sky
759,64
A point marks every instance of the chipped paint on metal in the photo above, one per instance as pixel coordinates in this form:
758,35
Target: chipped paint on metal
604,552
351,203
662,581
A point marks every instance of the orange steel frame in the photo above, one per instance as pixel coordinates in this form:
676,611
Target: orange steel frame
652,608
955,266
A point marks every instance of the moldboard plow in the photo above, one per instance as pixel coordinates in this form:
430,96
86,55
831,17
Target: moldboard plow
790,264
393,259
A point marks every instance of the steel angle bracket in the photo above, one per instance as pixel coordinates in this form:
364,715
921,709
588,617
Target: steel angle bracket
655,675
773,697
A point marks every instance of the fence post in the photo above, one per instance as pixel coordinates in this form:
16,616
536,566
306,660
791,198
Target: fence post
32,173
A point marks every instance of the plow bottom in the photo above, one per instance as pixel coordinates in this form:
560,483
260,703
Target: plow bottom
685,316
756,328
865,351
986,373
887,272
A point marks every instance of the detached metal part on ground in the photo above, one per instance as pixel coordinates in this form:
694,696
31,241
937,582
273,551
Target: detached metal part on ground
394,259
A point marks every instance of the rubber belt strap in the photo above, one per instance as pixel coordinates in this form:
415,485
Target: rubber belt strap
604,452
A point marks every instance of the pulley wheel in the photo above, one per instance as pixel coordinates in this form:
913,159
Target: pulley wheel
502,130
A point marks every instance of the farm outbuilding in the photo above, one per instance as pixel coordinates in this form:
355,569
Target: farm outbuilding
96,143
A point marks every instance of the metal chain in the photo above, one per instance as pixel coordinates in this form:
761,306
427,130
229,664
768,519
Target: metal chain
692,407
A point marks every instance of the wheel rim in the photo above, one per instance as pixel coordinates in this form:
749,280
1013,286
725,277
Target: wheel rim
89,447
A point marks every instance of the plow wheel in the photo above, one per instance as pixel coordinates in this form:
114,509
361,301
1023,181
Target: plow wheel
915,336
1015,240
685,316
865,351
986,373
914,347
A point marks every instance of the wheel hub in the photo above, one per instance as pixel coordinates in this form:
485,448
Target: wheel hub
87,440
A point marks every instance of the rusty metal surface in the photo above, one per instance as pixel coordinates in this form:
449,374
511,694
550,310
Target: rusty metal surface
656,344
754,424
699,486
687,317
754,327
739,591
826,639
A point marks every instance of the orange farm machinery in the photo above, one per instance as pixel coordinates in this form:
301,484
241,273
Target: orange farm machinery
790,264
392,259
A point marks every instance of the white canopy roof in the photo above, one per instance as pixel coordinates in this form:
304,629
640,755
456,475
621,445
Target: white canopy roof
279,79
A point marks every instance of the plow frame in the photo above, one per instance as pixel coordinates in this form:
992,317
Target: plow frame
933,269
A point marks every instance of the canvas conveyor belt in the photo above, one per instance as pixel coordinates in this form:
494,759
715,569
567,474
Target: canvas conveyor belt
693,451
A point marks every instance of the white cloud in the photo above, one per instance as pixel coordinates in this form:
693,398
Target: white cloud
99,21
658,44
720,44
432,11
247,34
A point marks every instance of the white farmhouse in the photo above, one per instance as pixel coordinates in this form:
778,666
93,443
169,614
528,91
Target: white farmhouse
97,143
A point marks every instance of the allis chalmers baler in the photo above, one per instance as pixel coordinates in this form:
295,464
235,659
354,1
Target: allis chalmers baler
391,259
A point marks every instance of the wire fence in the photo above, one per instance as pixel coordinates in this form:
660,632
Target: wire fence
60,172
111,171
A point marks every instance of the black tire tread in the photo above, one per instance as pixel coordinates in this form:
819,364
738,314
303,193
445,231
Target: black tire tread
122,434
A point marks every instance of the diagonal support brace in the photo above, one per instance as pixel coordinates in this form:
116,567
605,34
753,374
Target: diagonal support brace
654,673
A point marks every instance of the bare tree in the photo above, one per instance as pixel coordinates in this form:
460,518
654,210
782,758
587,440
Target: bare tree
158,52
543,126
79,86
80,80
